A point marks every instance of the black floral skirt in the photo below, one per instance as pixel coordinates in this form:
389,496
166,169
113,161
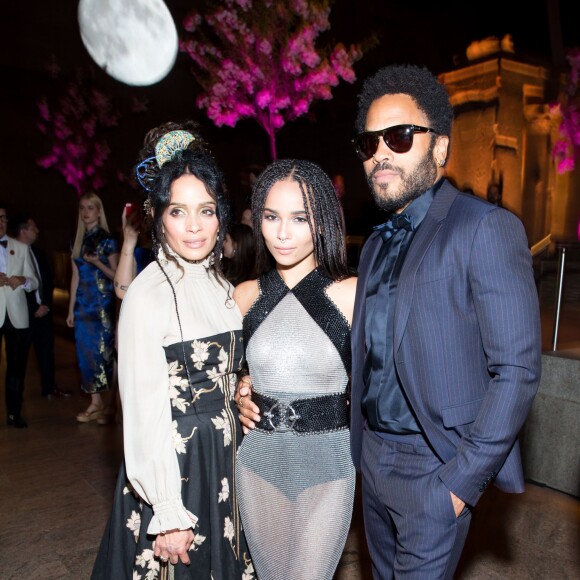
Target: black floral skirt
210,434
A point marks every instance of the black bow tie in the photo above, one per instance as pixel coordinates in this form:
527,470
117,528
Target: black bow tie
396,223
4,243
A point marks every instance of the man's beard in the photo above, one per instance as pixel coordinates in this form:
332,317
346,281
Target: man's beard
412,184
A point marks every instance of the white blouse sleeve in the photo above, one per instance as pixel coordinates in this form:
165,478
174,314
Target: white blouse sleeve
150,456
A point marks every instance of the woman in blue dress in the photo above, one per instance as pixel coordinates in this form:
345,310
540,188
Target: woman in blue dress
91,307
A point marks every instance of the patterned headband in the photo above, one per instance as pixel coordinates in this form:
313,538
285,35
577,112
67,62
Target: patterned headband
165,150
170,144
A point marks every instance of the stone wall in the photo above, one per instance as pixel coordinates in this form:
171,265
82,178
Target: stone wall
551,436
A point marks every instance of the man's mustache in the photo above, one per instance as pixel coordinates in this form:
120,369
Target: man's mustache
383,167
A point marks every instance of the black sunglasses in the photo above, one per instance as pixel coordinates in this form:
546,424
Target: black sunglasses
398,138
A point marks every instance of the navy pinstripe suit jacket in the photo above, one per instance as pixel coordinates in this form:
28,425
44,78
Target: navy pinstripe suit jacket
467,340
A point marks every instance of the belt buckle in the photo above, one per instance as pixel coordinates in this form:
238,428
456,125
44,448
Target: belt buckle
285,417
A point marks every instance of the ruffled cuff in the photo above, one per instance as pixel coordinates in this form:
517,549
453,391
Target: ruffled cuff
170,515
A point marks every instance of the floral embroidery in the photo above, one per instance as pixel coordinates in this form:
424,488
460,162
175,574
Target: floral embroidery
179,403
134,524
198,540
224,423
179,441
224,361
217,375
200,353
228,529
231,385
146,559
211,367
175,380
177,385
214,375
224,494
128,489
249,569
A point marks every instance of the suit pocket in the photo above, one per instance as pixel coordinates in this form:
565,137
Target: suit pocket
460,414
429,275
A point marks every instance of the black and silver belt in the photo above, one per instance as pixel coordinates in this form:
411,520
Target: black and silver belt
311,415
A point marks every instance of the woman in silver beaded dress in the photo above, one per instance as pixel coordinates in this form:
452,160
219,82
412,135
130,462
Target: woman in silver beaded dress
294,475
180,345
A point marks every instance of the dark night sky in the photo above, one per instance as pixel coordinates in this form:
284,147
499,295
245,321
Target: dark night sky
434,34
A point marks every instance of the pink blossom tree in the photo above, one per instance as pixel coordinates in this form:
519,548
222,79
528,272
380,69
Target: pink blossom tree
76,123
568,113
258,59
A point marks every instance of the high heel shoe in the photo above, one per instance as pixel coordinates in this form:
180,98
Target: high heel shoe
87,416
106,418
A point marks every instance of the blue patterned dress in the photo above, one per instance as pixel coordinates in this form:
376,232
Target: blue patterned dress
94,313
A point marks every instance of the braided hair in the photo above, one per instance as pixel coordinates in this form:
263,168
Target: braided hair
323,212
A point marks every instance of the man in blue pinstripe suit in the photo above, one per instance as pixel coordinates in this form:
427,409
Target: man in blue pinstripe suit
446,336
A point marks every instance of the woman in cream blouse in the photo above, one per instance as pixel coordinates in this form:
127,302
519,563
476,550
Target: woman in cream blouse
180,346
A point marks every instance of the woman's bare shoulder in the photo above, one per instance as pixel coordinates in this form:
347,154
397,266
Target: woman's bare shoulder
245,294
342,293
346,286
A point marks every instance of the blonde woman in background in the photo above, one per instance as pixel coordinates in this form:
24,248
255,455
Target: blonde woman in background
91,307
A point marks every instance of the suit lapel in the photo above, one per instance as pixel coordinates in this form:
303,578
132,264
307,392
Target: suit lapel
425,235
9,257
367,259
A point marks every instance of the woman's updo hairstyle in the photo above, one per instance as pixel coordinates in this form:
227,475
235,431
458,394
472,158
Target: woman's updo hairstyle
169,152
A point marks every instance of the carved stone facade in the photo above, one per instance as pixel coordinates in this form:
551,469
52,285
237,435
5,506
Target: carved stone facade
503,135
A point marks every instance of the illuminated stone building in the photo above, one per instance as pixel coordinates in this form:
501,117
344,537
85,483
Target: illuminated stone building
503,135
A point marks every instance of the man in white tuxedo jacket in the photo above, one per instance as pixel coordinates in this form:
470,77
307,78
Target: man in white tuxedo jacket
16,277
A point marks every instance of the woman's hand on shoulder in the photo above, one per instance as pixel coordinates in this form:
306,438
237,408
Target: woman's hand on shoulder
245,294
342,293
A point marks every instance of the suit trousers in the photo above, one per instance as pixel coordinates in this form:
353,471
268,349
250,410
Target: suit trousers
16,341
41,336
411,528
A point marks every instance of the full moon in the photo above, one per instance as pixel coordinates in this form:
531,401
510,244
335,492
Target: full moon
134,41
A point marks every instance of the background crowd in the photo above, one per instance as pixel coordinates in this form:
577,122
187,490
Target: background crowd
94,299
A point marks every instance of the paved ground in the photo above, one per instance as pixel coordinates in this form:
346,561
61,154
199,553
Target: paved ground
57,479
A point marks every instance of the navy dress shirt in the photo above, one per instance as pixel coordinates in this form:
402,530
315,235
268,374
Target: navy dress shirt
384,403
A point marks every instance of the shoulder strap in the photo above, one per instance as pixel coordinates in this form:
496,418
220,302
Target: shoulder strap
272,290
311,294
